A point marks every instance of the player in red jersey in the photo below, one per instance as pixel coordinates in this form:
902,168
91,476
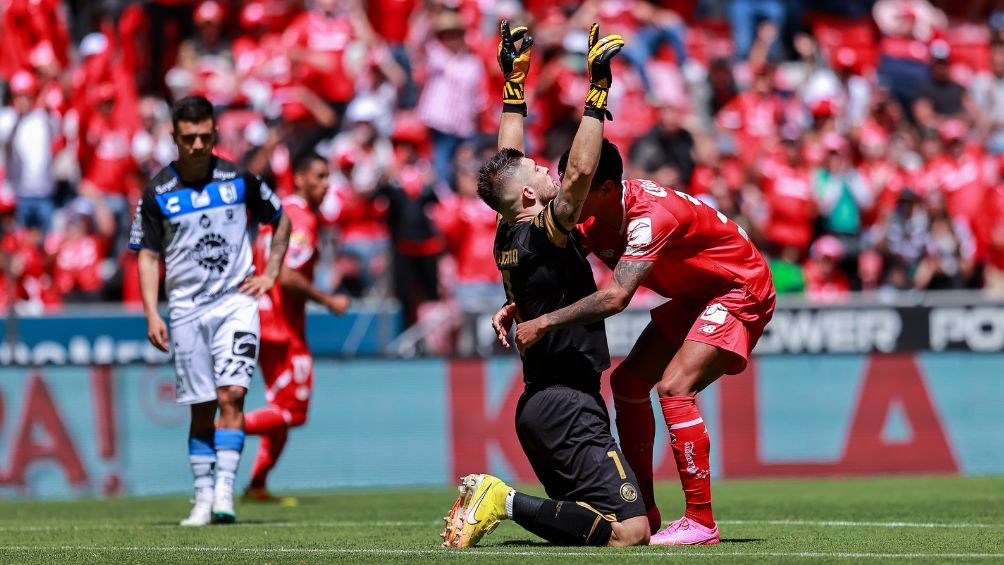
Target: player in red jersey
722,297
284,358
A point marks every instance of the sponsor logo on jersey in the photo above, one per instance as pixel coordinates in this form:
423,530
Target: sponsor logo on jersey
170,184
228,192
628,492
639,236
245,344
201,199
212,253
715,314
230,216
652,188
205,222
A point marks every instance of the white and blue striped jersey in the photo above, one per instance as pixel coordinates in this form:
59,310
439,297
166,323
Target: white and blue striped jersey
201,229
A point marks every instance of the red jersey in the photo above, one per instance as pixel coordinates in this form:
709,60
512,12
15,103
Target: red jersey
792,207
283,314
470,226
330,37
699,254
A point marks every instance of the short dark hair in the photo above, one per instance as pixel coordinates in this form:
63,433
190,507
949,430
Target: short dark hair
304,160
192,109
610,167
495,173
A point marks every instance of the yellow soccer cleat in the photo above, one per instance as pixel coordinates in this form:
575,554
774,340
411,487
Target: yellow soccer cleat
477,511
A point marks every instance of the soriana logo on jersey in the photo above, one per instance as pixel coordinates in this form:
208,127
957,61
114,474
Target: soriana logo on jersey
639,236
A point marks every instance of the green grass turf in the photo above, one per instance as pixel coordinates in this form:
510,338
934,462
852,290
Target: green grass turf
933,520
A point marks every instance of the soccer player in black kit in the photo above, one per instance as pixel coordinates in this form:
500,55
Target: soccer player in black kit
561,419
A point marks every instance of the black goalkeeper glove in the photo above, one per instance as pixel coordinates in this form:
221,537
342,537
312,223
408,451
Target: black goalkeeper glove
515,64
601,51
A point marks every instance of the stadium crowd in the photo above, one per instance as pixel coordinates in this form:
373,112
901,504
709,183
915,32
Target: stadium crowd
860,144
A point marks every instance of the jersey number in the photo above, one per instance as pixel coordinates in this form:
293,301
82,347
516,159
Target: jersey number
656,190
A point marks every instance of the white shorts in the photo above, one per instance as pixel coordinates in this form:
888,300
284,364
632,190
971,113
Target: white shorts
217,348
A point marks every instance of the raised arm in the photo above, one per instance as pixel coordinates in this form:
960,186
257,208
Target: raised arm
515,64
602,304
584,155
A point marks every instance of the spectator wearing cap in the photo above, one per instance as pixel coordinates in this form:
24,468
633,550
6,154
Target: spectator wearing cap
27,134
453,97
842,195
963,176
824,279
941,97
366,139
987,93
907,27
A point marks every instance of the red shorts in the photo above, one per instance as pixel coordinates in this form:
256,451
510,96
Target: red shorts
733,321
288,369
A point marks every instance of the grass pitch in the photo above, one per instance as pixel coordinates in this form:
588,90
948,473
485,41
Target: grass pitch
933,520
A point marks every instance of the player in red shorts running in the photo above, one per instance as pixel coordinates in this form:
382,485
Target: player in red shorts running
284,358
722,297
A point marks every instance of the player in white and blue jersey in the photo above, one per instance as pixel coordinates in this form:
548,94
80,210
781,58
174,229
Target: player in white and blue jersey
195,215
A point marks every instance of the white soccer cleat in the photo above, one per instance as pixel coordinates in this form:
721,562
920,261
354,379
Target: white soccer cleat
202,514
223,507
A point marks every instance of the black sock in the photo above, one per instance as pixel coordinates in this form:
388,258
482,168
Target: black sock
560,522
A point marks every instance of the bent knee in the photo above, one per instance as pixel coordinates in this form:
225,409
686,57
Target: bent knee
297,418
633,531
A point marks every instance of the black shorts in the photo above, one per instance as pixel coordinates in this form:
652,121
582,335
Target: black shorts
565,434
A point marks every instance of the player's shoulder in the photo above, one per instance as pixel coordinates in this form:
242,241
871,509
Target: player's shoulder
163,182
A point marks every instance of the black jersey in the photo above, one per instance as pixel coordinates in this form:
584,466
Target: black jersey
543,269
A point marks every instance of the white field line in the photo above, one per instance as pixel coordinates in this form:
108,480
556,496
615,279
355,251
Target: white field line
502,553
421,523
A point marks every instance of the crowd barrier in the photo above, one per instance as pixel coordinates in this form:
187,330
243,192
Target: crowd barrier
834,392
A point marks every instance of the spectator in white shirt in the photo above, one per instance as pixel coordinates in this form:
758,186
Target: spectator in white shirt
26,141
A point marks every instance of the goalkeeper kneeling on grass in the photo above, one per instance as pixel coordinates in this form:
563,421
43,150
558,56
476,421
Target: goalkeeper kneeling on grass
561,420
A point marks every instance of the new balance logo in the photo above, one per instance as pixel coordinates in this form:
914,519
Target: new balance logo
708,328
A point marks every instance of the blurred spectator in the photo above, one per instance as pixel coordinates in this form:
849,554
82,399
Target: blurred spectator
27,143
469,227
744,17
153,146
940,97
949,255
78,255
658,26
987,93
824,281
753,116
788,195
907,26
902,233
416,243
453,96
788,274
390,20
668,143
321,44
842,195
205,64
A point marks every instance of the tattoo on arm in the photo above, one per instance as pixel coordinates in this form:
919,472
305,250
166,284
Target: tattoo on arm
604,303
277,248
566,212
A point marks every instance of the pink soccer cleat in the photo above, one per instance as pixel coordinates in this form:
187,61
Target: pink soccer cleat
686,532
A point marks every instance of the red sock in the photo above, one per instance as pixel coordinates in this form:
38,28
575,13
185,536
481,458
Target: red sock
636,428
692,449
269,450
264,421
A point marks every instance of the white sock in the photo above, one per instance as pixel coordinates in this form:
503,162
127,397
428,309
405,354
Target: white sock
226,470
202,471
508,502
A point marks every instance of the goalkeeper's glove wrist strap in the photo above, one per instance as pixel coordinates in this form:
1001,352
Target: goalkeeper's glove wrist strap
513,93
518,108
596,103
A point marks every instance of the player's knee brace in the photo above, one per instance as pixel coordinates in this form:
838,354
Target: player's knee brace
629,387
